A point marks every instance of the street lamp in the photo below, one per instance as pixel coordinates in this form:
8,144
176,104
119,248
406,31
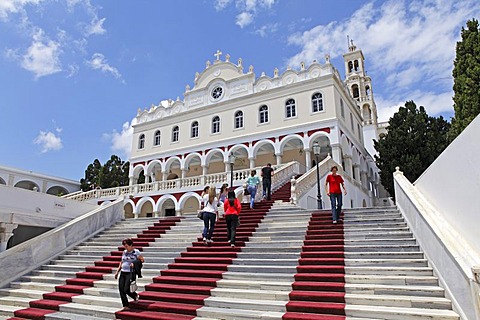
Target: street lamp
231,160
316,150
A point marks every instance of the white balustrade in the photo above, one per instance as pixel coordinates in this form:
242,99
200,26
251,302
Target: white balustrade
282,173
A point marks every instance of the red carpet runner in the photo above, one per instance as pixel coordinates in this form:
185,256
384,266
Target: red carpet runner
319,287
63,294
182,288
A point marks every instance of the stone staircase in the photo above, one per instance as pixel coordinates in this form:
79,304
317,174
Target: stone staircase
81,283
289,263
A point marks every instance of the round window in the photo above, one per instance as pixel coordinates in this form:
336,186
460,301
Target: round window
217,93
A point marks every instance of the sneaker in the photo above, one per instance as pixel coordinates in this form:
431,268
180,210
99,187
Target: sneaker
209,241
334,221
229,241
232,245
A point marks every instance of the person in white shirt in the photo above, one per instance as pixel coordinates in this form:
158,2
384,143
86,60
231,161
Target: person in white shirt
210,209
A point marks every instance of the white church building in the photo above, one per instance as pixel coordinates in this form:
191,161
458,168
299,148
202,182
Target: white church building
179,146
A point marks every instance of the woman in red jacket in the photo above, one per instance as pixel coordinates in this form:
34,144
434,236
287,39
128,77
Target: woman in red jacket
232,209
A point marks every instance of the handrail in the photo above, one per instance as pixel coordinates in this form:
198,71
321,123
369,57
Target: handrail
303,184
177,184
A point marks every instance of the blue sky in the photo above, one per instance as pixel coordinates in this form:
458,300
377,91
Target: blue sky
74,72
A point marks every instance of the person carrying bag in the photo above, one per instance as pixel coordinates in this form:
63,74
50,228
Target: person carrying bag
126,270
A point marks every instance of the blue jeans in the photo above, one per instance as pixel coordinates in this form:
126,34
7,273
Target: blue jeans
336,202
209,224
253,192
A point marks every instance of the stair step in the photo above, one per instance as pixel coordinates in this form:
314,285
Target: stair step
398,313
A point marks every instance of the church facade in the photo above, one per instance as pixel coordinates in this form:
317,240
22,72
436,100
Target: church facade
230,111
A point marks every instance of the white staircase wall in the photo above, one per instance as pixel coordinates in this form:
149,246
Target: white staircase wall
441,208
32,208
35,252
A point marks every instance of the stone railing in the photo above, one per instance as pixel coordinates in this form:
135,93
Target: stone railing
280,176
305,183
189,183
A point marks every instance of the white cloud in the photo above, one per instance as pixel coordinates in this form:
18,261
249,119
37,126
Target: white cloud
409,48
98,62
14,6
96,27
221,4
121,141
244,19
42,57
247,9
266,29
49,141
435,103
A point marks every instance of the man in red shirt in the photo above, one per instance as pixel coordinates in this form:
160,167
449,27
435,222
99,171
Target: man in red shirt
332,187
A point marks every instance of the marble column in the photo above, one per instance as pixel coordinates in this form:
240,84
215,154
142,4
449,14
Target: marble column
348,164
6,231
279,159
336,153
308,159
164,175
252,163
131,181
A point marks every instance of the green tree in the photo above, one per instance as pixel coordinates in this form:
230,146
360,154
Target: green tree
113,173
413,141
466,78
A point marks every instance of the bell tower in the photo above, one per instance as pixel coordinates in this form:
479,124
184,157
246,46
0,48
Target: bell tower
359,85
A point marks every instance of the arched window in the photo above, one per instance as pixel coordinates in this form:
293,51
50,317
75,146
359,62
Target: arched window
367,90
355,65
141,141
317,102
194,133
350,66
175,134
342,108
238,119
290,110
355,91
216,124
156,138
263,114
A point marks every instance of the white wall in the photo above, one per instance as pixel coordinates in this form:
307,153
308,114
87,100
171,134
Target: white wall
448,254
452,184
35,252
32,208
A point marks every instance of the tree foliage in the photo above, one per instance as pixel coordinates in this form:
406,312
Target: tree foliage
466,78
113,173
413,141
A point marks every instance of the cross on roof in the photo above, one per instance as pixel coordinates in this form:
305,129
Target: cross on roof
218,54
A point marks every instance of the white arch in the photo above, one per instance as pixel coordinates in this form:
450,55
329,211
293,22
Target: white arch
137,170
316,135
235,148
288,138
261,143
346,149
210,153
355,156
186,196
169,162
2,181
141,202
125,201
151,165
164,198
189,157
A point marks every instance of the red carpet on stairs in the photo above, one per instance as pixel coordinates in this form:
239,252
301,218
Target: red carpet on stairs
319,288
182,288
63,294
